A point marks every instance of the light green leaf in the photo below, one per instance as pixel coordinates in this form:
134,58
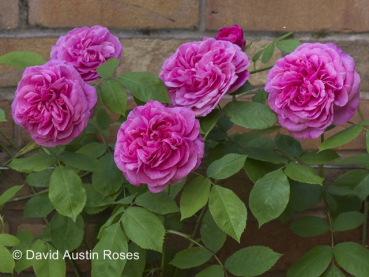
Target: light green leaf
268,53
80,161
135,267
22,59
309,226
7,262
269,196
304,196
160,203
251,261
313,263
114,96
107,69
66,192
35,163
93,149
208,122
362,160
352,257
261,96
194,196
38,206
39,179
341,138
191,257
226,166
288,45
143,228
25,237
250,115
211,271
2,115
8,240
112,241
145,86
303,173
8,194
228,211
348,221
66,234
321,157
333,271
211,235
288,145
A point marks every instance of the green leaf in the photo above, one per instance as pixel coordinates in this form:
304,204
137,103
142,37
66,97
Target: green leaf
304,196
35,163
191,257
288,145
269,196
250,115
227,166
333,271
341,138
264,155
320,157
288,45
95,199
7,262
135,267
114,96
50,266
257,169
208,122
2,115
145,86
251,261
8,194
160,203
211,271
254,134
261,96
22,59
194,196
112,241
309,226
228,211
348,221
80,161
143,228
211,235
102,120
268,53
352,257
303,173
8,240
66,234
25,237
66,192
94,150
257,55
39,179
109,178
38,206
107,69
362,160
23,262
244,88
313,263
367,141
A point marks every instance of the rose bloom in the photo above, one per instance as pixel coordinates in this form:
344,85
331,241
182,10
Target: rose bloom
312,88
53,103
232,34
158,145
86,49
201,72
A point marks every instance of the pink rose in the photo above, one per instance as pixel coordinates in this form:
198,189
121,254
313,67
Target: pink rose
201,72
312,88
86,49
53,103
158,145
232,34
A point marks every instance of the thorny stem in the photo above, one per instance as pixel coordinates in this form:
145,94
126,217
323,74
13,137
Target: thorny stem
261,69
197,225
3,146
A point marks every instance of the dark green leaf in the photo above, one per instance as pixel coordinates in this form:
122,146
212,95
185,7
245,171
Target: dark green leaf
39,179
288,145
80,161
255,134
208,122
211,271
227,166
257,169
211,235
35,163
309,226
321,157
257,55
303,173
304,196
38,206
367,141
160,203
333,271
348,221
95,199
135,267
22,59
268,53
191,257
107,69
352,257
114,96
102,120
288,45
261,96
362,160
341,138
264,155
93,150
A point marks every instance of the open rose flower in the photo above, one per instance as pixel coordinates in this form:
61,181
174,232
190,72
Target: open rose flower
158,145
86,49
312,88
53,103
232,34
201,72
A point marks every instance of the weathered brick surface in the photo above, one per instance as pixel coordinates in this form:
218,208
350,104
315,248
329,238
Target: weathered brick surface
289,15
9,13
36,229
118,14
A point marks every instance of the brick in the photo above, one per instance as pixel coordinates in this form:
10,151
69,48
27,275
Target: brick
36,229
9,14
289,15
133,14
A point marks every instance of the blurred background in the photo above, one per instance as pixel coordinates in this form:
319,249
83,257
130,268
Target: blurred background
150,32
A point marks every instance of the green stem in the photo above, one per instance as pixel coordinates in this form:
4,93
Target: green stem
75,269
261,69
28,148
360,114
27,196
234,98
2,145
365,227
197,225
9,140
